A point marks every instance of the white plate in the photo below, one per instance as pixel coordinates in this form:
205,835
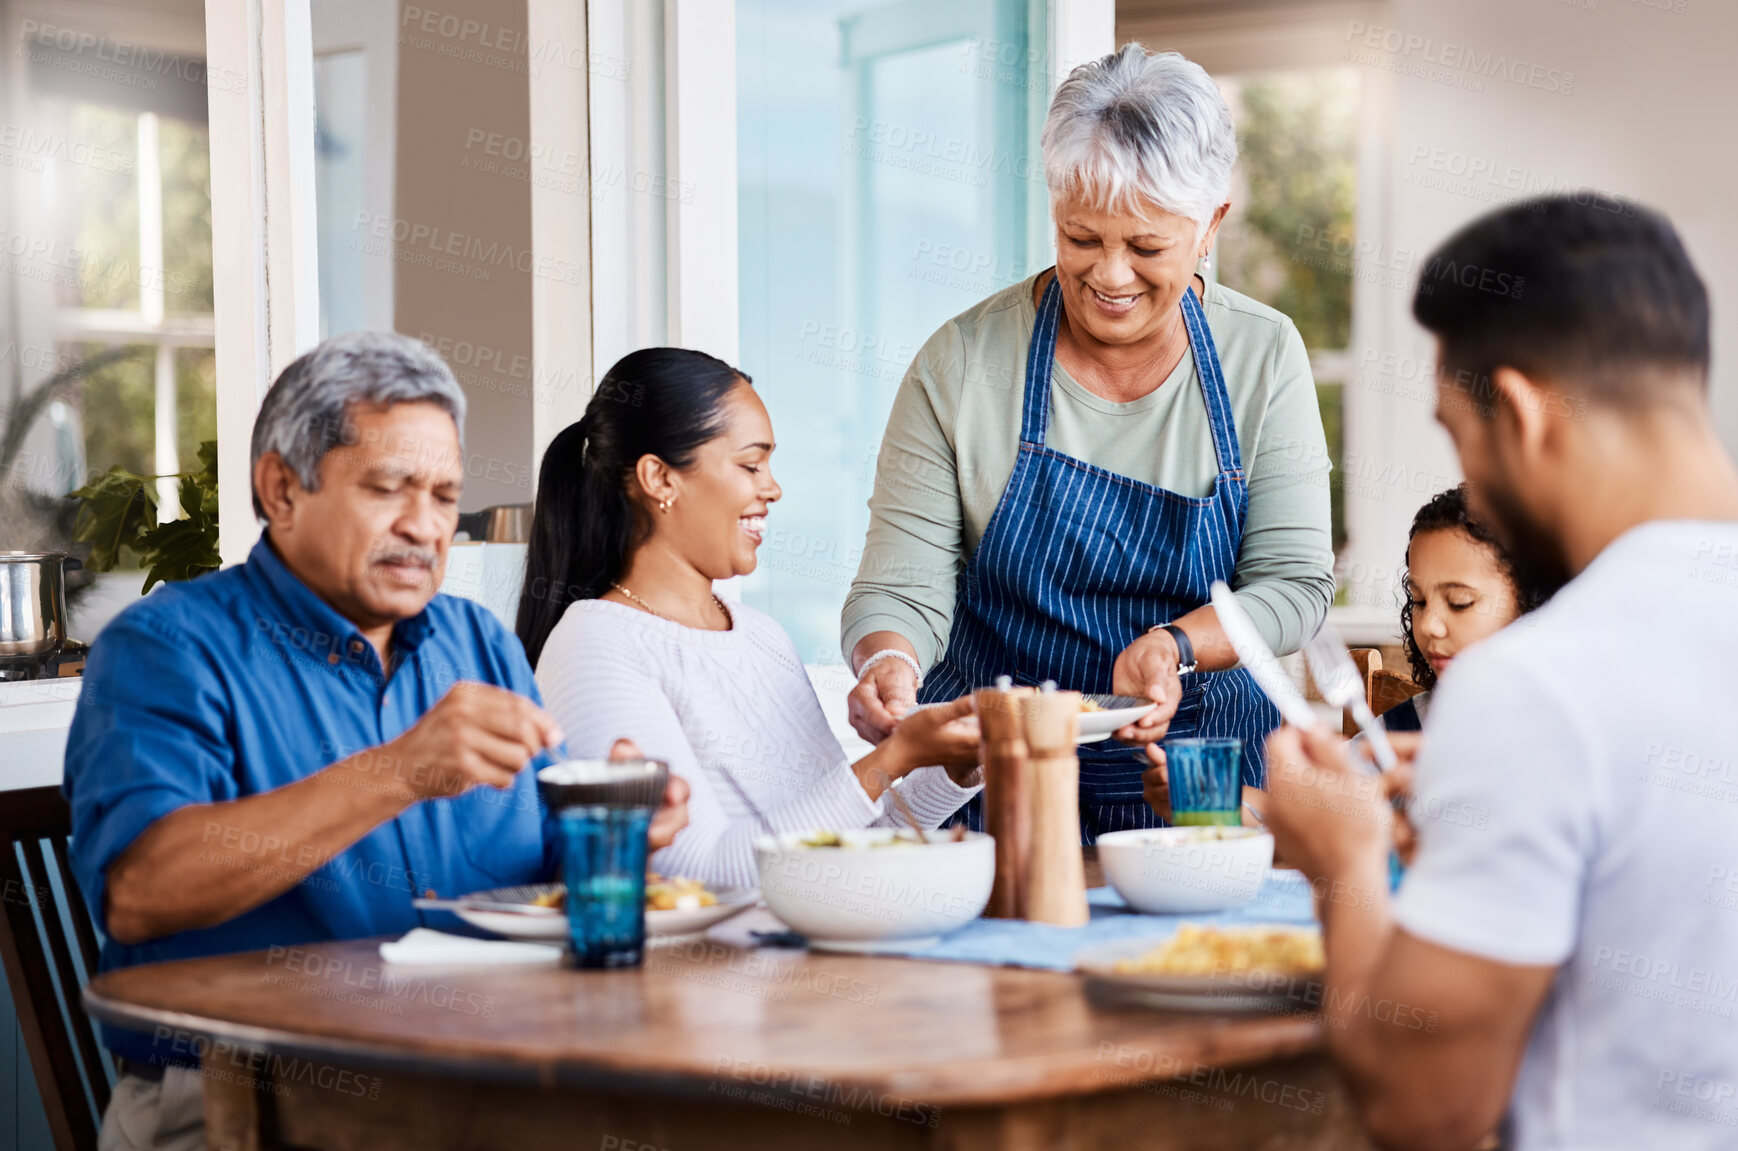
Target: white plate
691,921
1095,726
1119,711
550,924
1249,992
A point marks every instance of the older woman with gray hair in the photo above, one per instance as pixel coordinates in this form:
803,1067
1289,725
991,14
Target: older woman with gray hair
1071,464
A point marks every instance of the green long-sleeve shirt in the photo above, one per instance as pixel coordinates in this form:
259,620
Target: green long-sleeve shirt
953,436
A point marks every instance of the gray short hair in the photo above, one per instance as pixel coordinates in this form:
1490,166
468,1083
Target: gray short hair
306,412
1133,130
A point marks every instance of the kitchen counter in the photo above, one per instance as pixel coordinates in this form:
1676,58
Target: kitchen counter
34,718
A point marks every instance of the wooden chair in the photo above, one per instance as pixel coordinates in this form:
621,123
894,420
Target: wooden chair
44,922
1383,689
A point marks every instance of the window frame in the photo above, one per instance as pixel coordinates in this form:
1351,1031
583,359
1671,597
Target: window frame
148,325
658,116
1242,38
259,60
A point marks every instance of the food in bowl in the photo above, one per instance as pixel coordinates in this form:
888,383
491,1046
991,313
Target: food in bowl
844,893
900,838
1186,870
904,837
1197,949
1208,834
1090,704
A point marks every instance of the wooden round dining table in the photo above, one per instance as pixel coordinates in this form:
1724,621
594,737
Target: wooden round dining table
715,1042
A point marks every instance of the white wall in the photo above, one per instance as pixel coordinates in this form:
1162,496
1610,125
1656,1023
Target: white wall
1641,109
1630,97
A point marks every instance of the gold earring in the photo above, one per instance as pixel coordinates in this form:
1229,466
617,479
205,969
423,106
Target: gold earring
664,505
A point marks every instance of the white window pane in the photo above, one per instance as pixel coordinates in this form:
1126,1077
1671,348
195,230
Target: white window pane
340,120
888,174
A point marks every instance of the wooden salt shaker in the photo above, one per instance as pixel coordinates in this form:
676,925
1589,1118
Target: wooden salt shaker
1054,890
1007,799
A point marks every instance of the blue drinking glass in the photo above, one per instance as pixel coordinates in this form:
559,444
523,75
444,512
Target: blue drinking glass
1206,781
604,864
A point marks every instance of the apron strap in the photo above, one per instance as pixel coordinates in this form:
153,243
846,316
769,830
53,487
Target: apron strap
1213,392
1035,413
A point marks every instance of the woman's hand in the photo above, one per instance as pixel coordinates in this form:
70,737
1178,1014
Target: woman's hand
672,814
1147,669
881,698
946,735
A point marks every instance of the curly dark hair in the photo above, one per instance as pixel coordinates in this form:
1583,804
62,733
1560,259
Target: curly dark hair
1448,510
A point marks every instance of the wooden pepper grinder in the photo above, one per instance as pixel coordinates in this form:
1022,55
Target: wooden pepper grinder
1007,794
1031,803
1055,888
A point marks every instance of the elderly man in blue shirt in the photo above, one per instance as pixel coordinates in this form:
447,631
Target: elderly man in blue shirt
293,749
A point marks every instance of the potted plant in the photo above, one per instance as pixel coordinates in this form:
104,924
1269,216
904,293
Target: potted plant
118,510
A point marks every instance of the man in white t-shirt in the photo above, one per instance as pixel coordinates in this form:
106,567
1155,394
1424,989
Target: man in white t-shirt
1565,942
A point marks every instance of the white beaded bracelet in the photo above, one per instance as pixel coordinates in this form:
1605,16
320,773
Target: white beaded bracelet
890,653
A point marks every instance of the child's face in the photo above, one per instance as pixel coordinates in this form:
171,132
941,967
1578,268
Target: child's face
1459,594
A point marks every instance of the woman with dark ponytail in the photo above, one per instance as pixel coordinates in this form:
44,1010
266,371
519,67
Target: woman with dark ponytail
663,487
570,557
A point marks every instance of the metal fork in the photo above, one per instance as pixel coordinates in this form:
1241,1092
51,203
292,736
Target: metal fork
1338,680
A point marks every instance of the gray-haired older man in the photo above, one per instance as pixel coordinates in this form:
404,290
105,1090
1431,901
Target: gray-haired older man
289,750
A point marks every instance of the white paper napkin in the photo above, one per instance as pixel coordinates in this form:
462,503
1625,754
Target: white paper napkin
420,945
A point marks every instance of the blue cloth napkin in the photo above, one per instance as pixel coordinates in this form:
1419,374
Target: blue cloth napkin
1284,898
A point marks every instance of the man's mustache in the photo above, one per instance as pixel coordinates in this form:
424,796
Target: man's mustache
418,557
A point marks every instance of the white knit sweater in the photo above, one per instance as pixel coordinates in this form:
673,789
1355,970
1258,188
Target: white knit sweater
720,706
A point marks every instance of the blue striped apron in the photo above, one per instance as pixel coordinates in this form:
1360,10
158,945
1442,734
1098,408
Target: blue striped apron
1077,562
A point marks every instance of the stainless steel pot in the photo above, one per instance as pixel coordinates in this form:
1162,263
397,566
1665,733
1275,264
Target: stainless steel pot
33,602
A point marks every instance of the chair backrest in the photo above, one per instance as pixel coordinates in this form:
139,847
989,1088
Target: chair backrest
49,947
1369,662
1389,689
1383,689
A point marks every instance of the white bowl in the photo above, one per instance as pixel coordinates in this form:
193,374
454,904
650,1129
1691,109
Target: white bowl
860,897
1181,871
